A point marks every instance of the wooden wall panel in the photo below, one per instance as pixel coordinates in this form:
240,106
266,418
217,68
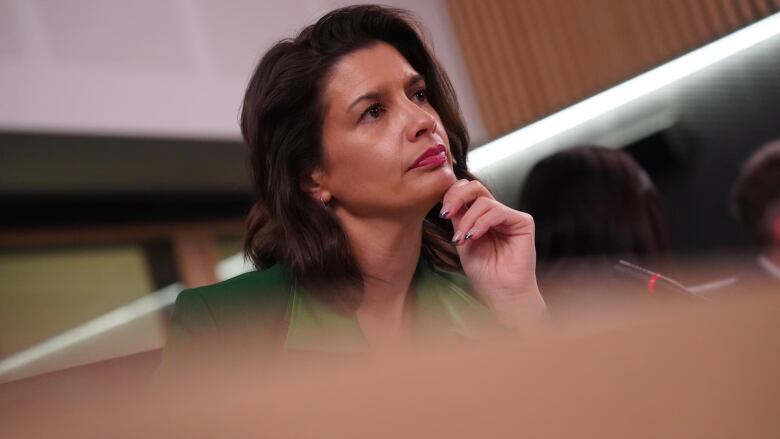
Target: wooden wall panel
529,58
196,257
195,245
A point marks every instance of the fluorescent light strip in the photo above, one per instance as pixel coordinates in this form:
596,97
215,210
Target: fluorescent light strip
113,319
230,267
624,93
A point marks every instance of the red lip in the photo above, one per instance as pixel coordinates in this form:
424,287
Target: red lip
430,157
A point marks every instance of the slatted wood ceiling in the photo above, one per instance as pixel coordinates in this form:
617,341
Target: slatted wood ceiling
529,58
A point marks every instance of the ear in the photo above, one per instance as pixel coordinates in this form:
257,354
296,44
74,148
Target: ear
314,183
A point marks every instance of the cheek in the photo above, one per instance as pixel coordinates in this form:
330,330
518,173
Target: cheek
366,166
441,131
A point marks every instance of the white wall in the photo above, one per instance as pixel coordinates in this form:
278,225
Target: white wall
172,68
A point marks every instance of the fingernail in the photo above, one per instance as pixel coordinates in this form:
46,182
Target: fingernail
469,234
443,213
456,238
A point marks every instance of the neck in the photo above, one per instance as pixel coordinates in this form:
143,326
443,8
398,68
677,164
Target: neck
386,252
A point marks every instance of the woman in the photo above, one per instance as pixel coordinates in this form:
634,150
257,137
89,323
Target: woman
358,153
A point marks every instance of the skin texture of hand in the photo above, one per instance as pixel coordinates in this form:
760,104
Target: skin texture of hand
496,248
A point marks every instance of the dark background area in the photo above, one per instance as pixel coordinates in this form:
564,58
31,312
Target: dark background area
695,162
49,180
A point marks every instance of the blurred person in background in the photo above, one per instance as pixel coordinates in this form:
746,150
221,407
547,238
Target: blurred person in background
366,216
755,201
593,206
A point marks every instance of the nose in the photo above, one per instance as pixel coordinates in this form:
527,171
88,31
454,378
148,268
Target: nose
420,123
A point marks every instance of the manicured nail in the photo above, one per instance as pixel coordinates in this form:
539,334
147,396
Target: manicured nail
443,213
456,238
469,234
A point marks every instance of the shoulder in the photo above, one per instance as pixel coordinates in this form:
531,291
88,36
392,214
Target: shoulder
255,292
226,317
254,283
453,278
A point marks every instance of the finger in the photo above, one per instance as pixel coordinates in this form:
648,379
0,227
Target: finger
497,217
492,218
446,204
462,193
464,221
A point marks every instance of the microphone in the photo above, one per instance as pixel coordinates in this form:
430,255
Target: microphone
653,280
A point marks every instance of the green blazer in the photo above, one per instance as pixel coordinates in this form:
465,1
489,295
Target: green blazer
265,311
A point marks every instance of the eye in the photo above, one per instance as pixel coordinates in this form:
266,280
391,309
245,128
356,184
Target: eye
372,113
421,95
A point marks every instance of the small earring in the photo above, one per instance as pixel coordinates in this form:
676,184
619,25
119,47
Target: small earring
324,204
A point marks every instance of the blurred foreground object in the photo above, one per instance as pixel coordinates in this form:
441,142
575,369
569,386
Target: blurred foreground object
707,371
755,201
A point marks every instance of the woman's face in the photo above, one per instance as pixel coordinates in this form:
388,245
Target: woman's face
385,149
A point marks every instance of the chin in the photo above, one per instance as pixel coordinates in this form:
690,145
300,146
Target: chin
432,188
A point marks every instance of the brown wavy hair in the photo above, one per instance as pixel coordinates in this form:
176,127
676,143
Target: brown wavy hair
281,122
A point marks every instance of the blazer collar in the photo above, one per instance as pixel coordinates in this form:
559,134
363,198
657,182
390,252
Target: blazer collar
443,311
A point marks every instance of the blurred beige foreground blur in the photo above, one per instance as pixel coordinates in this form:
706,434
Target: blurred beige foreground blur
705,369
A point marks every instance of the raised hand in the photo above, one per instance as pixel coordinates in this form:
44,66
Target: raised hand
496,248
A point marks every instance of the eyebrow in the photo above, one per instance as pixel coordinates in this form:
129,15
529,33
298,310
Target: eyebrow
373,95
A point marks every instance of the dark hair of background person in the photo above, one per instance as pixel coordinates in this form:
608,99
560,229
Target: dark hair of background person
281,123
590,202
757,190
